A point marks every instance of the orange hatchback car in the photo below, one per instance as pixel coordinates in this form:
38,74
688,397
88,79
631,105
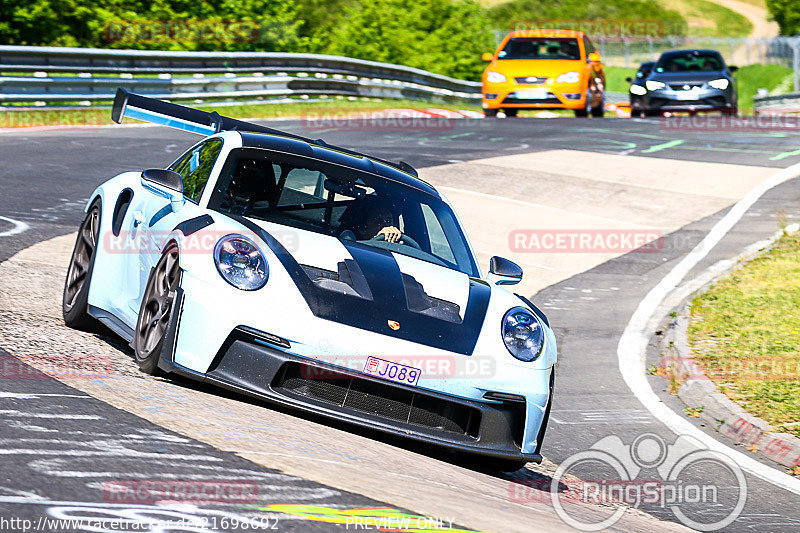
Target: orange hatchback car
544,69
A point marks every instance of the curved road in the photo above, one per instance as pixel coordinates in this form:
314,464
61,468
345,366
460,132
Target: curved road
610,175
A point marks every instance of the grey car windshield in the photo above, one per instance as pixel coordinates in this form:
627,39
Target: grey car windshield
342,202
690,62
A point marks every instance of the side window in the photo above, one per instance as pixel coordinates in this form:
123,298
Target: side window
195,167
302,185
439,245
590,49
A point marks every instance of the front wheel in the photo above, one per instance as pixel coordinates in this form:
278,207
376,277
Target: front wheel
587,108
154,313
75,300
490,113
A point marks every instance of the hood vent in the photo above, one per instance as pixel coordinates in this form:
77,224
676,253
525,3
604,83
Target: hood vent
347,280
419,302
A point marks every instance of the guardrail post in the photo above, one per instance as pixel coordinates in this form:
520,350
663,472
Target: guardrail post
796,64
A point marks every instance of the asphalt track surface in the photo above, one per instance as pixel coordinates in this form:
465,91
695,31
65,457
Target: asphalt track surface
46,177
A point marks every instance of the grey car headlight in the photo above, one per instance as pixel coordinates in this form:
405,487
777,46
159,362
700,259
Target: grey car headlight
523,334
720,84
240,262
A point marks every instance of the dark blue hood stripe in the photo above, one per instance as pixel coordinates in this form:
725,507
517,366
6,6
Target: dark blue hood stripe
385,281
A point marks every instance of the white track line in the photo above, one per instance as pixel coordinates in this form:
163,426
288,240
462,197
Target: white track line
19,227
633,343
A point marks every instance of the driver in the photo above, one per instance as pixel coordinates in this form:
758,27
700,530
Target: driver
372,219
380,221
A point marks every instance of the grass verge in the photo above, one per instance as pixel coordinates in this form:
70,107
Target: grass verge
745,331
12,118
707,19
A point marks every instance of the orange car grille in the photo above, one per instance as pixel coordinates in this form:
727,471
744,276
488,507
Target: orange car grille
530,79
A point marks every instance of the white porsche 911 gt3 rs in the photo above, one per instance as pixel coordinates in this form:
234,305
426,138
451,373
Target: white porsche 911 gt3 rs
315,277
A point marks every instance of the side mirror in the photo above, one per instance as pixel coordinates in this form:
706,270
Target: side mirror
594,57
503,272
167,183
733,69
629,79
487,56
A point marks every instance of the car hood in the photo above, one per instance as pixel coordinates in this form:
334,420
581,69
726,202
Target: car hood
550,68
690,77
379,290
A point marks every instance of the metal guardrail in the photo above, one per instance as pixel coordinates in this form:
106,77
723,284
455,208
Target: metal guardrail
782,103
236,75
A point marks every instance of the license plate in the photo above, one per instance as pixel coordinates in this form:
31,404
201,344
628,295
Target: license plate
406,375
532,94
687,95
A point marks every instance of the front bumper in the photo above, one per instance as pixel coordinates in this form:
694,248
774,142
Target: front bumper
555,96
671,100
249,364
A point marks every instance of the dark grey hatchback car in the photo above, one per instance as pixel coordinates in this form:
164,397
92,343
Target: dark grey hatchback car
686,80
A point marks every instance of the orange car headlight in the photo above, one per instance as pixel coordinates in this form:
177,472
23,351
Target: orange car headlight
569,77
495,77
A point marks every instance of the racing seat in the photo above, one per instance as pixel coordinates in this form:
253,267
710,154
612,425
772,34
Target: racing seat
252,186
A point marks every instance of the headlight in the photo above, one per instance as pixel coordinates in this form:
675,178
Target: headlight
720,84
638,89
240,262
495,77
523,334
569,77
653,85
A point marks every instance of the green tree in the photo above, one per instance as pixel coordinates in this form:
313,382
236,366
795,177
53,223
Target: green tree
160,24
787,14
442,36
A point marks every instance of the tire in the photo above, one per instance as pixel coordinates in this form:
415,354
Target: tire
75,298
599,111
154,313
587,108
510,113
490,113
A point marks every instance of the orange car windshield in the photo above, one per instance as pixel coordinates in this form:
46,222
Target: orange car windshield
540,48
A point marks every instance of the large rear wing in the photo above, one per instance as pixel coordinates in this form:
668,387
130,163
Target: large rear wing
127,104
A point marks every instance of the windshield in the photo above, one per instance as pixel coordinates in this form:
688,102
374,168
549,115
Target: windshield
540,48
344,203
690,62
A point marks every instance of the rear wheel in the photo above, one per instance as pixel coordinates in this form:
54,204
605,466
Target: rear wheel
154,313
511,112
75,300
